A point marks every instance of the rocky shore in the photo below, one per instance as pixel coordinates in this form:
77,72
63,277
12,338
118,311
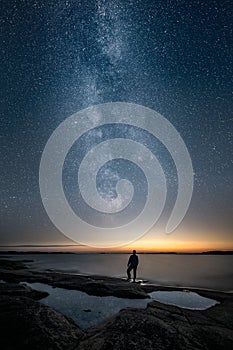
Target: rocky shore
28,324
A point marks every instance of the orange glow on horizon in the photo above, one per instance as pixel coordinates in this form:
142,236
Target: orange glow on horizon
182,247
181,241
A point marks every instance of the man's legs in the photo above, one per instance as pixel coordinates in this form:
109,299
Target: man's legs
128,272
134,273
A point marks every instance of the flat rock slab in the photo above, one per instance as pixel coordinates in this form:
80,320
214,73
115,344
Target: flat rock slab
92,285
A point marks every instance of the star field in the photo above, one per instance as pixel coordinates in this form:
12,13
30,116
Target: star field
59,57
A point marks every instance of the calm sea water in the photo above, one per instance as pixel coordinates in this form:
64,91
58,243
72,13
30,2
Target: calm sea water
203,271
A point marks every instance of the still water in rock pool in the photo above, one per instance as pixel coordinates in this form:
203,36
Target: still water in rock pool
87,310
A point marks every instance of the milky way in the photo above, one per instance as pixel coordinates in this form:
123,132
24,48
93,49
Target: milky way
59,57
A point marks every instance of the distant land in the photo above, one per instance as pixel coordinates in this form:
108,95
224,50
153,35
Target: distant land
210,252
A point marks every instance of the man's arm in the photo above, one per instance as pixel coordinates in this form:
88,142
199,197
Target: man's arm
129,262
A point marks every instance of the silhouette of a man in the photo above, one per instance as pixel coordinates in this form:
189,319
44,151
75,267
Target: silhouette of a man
132,265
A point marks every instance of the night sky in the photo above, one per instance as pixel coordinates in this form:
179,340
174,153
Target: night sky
175,57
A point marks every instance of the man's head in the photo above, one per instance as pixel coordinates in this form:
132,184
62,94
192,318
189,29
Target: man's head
134,252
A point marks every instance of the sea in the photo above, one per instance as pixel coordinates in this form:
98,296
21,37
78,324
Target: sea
200,271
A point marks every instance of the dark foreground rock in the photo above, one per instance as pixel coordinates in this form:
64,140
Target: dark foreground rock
163,327
12,264
28,324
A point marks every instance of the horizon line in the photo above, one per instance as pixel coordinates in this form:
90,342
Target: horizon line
104,251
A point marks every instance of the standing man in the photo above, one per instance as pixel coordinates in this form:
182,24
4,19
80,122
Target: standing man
132,265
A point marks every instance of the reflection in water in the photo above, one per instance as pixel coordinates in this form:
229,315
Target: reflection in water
87,310
186,299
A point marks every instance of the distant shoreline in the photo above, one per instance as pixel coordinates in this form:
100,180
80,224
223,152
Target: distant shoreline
15,252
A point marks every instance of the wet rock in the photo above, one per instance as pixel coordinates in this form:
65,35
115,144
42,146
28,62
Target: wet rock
12,264
92,285
104,287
